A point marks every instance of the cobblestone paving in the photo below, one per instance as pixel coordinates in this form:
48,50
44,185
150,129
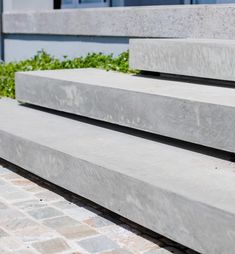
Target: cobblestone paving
40,218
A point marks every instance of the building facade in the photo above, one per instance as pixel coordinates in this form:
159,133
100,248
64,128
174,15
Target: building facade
25,5
114,3
108,30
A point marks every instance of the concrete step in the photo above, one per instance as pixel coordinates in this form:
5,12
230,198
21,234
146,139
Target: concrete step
214,59
182,194
195,113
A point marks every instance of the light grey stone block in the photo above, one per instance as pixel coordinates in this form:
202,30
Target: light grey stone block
191,112
214,59
198,21
180,193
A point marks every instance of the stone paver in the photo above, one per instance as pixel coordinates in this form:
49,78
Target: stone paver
2,205
61,222
3,233
98,244
36,220
10,243
18,223
48,196
13,196
34,234
25,251
118,251
30,204
9,213
77,232
51,246
44,213
98,222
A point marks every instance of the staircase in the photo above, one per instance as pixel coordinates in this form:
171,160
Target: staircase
157,150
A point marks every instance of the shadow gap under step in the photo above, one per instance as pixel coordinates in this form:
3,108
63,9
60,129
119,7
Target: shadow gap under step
220,154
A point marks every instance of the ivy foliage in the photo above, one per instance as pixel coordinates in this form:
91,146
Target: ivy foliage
44,61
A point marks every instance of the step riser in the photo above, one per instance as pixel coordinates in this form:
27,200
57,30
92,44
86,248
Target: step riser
211,59
188,222
202,123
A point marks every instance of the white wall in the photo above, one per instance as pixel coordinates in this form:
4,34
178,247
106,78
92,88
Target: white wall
27,5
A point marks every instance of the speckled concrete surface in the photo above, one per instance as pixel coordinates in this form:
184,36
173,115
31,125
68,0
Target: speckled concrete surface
178,109
184,21
213,59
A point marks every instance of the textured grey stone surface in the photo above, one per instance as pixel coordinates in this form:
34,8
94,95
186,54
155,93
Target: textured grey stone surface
185,195
212,58
192,112
199,21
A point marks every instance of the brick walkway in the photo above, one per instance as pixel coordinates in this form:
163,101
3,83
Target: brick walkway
40,218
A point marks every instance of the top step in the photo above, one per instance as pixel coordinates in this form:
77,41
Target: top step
213,59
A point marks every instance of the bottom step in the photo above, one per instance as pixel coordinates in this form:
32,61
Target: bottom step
181,194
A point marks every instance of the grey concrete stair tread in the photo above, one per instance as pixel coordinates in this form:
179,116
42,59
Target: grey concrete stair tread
206,58
136,83
196,113
194,21
184,195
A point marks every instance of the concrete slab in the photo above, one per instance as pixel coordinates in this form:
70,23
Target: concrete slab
214,59
182,21
185,195
191,112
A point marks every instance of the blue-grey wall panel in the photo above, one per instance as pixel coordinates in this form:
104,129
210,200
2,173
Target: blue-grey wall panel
1,35
152,2
19,47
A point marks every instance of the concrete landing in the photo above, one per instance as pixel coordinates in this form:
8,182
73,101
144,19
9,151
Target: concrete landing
214,59
191,112
184,195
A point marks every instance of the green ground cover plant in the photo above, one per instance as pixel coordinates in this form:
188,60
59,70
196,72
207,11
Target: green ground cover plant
44,61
